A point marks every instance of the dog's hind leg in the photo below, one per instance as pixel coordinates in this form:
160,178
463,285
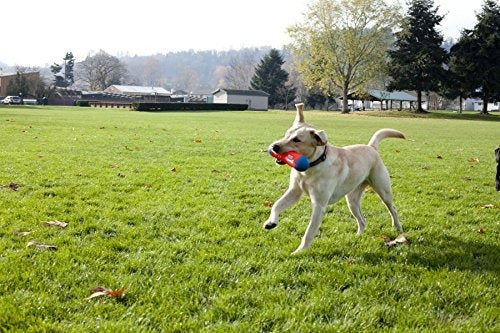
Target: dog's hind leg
289,198
381,184
354,203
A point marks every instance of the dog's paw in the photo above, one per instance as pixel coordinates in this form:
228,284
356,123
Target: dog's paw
270,225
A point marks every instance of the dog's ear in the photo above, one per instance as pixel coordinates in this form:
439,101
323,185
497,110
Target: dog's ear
319,137
299,117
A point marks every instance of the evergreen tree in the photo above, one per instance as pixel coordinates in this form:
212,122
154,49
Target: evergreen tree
64,73
69,64
475,59
417,61
271,78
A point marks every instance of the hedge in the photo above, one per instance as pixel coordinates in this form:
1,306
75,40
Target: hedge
82,103
188,107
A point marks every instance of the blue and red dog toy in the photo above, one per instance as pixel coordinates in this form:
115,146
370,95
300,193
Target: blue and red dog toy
295,160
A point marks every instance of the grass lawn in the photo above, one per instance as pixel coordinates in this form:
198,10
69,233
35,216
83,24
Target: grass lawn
171,205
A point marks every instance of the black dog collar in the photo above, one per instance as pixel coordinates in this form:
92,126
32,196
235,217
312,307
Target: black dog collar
320,159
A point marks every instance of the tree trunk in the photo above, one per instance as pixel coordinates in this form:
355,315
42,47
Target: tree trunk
486,99
419,102
460,107
345,108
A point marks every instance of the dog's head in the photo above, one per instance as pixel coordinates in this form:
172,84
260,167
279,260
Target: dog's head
301,137
497,154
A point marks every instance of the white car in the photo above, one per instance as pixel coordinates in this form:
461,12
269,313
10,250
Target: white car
12,100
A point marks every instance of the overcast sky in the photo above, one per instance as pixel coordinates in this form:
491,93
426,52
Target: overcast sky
37,33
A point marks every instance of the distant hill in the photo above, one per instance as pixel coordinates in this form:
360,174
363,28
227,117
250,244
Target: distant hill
188,70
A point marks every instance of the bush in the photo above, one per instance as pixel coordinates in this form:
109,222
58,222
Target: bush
82,103
188,107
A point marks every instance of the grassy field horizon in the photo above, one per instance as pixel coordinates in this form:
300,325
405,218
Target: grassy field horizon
170,206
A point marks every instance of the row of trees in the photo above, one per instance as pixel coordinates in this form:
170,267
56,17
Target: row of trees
344,46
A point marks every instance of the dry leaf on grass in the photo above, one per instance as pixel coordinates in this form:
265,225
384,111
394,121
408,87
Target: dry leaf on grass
480,230
12,186
22,233
268,204
488,206
401,239
473,160
42,247
173,170
197,141
56,223
439,157
103,291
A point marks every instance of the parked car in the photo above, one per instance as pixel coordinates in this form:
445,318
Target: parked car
12,100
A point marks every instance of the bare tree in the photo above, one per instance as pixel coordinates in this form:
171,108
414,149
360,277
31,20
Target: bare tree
240,71
101,70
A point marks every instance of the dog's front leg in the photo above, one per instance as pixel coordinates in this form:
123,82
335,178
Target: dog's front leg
289,198
318,211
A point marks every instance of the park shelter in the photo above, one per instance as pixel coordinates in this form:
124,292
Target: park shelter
383,95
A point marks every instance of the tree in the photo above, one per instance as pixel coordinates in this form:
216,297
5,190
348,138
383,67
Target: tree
342,44
63,73
475,59
27,83
417,61
101,70
456,83
271,78
240,70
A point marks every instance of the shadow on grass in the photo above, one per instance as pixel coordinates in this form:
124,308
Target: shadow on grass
440,251
492,116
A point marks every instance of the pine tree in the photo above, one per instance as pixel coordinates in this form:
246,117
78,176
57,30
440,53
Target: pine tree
64,74
271,78
418,58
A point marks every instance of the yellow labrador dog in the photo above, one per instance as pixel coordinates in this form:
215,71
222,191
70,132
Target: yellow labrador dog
333,173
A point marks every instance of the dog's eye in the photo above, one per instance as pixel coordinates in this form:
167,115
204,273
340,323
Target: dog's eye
296,139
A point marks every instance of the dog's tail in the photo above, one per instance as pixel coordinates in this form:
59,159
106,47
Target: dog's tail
382,134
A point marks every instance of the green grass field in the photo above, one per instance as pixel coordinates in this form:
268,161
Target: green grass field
171,205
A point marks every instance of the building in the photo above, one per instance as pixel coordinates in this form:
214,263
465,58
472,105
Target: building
6,80
145,94
255,99
476,104
374,98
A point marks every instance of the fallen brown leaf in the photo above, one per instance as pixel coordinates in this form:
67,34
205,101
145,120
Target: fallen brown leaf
173,169
42,247
488,206
121,175
439,157
22,233
473,160
480,230
215,171
401,239
268,204
12,186
56,223
102,291
425,167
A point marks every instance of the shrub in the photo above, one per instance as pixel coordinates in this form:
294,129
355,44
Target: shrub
82,103
188,107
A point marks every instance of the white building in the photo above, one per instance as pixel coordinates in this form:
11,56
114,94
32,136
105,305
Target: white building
476,104
255,99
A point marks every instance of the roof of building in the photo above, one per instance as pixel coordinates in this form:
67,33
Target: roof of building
141,89
242,92
377,95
